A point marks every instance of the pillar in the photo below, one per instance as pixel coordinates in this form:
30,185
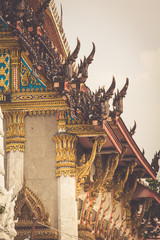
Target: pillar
15,141
7,226
2,172
66,182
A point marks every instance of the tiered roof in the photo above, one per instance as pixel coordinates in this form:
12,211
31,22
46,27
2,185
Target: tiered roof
38,29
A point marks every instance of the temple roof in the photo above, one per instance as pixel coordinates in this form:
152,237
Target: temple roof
143,191
117,137
37,28
52,26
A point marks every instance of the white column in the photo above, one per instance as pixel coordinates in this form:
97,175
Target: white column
15,141
2,172
67,208
66,182
7,230
15,170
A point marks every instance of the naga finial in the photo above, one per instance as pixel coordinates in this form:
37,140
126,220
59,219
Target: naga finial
68,67
110,90
90,57
155,160
74,55
143,151
83,67
123,91
132,130
118,99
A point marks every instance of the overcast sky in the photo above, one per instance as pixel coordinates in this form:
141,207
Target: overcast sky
127,38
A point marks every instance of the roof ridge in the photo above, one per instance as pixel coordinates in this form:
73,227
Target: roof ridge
58,21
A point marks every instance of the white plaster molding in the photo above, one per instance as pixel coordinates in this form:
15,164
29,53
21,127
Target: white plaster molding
61,130
1,114
2,171
1,133
7,223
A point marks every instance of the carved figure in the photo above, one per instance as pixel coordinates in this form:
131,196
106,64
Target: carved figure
120,181
111,166
83,171
128,193
142,226
7,222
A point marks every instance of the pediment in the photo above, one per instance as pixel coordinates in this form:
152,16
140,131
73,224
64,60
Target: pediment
29,80
29,207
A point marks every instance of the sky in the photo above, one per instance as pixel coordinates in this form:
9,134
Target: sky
127,38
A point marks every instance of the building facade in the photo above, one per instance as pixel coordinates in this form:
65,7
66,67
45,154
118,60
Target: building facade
72,168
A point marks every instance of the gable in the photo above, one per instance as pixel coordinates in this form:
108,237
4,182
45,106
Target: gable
28,80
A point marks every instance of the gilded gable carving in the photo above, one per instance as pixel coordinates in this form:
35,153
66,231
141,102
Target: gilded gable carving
4,69
28,78
29,207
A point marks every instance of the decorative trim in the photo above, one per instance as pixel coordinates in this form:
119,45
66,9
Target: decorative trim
15,66
85,232
128,191
27,197
135,148
61,120
111,166
66,154
112,136
91,227
35,96
29,206
58,23
1,132
28,79
83,129
15,146
4,69
15,136
41,112
35,106
29,63
2,171
82,171
15,77
120,179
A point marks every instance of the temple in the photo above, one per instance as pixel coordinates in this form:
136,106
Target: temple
69,167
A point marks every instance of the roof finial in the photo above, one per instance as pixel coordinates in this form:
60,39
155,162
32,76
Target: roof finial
132,130
118,99
155,160
143,152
